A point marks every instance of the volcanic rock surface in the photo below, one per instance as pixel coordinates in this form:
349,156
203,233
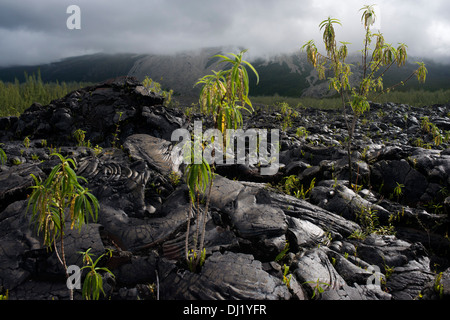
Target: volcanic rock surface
384,238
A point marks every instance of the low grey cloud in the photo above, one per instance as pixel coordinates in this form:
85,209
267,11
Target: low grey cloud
35,31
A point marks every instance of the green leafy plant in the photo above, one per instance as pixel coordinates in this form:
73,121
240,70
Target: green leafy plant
357,187
437,207
368,220
388,271
438,287
156,88
79,136
425,124
419,143
26,142
291,185
196,259
223,95
318,288
93,282
428,127
198,178
117,131
4,296
3,157
283,252
437,135
304,194
301,132
174,178
376,61
286,276
188,112
287,114
97,150
59,196
398,190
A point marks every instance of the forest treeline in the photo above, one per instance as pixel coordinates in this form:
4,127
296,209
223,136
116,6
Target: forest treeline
17,96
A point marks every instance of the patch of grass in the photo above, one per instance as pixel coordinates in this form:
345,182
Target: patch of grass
413,97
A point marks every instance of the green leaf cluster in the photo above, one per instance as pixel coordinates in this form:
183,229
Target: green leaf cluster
93,282
318,287
3,157
223,95
376,61
291,185
60,191
287,114
59,196
4,296
155,87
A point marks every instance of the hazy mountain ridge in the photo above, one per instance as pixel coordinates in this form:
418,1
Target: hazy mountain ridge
283,74
178,72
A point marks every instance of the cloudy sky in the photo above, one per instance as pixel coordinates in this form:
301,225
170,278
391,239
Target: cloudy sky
34,32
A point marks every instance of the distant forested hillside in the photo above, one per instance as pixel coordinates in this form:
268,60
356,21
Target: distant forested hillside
87,68
286,75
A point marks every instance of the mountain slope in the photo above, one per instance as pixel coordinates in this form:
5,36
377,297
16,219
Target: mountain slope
87,68
284,74
178,72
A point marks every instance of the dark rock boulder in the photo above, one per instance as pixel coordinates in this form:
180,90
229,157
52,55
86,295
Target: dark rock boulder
304,234
345,202
108,113
252,219
314,268
15,181
15,240
121,182
336,225
154,151
227,276
393,174
438,288
406,265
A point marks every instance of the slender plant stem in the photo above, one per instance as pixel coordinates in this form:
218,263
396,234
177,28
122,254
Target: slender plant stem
396,85
365,51
188,230
197,222
63,255
202,239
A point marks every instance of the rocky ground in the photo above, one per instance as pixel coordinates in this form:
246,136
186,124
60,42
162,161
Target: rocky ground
384,238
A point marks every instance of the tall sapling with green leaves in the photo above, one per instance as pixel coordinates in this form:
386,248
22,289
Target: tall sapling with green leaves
59,197
223,95
376,61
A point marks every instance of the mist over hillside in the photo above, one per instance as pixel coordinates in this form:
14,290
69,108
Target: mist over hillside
284,74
